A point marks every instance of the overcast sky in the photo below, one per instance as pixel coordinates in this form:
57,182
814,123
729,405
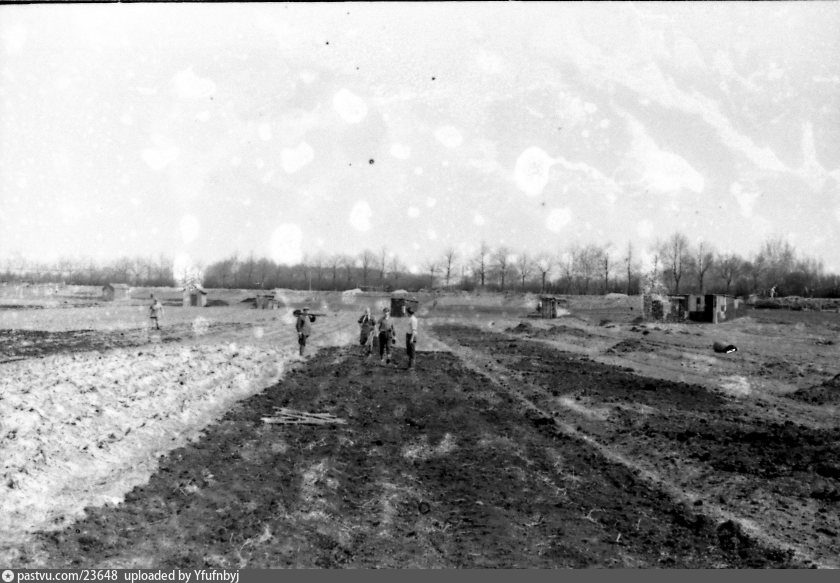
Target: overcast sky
200,130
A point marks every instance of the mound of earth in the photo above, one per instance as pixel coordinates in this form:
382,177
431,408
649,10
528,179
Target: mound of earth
826,393
561,330
630,345
521,328
552,332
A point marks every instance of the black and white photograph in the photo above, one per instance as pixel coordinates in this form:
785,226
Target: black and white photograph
418,286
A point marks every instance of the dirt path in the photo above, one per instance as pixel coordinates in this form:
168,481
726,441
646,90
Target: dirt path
777,480
437,468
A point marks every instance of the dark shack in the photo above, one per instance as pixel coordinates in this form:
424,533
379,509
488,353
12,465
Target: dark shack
195,295
399,305
710,308
115,291
548,306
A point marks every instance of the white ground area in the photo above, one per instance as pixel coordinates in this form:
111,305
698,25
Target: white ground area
83,429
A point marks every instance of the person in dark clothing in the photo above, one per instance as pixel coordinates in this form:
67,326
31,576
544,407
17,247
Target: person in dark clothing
303,325
386,336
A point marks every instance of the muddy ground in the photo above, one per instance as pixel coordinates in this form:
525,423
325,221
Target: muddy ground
769,463
470,461
20,344
596,440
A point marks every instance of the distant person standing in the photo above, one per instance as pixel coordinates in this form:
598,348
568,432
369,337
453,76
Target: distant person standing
411,338
386,335
155,312
367,325
303,325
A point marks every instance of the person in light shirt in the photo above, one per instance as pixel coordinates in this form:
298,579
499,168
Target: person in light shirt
411,338
156,312
367,325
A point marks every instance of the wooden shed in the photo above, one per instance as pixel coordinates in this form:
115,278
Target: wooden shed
548,306
714,308
711,308
115,291
399,305
266,302
195,296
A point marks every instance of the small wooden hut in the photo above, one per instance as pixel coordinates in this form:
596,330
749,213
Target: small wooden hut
195,296
115,291
266,302
710,308
399,305
548,306
714,308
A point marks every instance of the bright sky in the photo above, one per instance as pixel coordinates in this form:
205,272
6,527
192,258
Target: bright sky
202,130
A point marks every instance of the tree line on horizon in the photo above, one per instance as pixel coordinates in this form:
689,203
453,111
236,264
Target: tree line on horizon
674,265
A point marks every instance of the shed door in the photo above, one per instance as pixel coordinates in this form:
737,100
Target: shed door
193,299
709,309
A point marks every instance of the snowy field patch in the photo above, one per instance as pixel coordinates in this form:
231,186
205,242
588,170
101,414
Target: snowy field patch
83,429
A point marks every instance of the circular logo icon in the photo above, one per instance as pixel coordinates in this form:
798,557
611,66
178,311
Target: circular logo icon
8,576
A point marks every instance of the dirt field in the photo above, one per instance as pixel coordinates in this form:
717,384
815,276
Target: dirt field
589,440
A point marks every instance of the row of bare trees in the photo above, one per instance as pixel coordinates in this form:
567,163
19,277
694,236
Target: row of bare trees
148,271
673,265
775,266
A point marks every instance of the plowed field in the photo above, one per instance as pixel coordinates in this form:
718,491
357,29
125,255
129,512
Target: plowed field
210,444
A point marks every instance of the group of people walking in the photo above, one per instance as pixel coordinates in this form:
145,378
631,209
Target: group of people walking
383,330
387,335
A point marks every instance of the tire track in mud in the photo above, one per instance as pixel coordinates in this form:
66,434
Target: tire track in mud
436,468
517,374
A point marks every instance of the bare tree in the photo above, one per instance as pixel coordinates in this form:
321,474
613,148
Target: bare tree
675,257
66,268
778,257
164,270
729,267
652,279
432,267
263,268
502,262
567,263
383,259
395,267
755,270
249,266
448,264
525,267
704,258
348,263
543,264
586,264
629,265
305,268
220,273
335,262
480,263
319,263
367,260
605,261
